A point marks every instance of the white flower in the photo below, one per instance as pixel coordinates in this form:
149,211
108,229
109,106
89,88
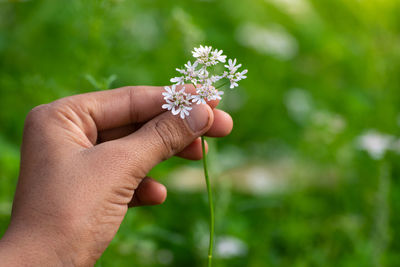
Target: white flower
203,55
236,77
203,77
215,78
233,84
215,94
191,68
230,247
177,102
181,71
203,74
201,52
206,93
240,75
232,73
217,56
232,80
231,66
199,99
375,143
170,92
191,72
178,80
182,110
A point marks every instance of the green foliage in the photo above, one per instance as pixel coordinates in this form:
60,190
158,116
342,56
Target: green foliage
320,73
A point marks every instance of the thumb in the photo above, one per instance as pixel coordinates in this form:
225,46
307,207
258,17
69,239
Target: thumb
164,136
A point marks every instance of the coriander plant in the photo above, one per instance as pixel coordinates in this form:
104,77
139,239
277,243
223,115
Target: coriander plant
179,102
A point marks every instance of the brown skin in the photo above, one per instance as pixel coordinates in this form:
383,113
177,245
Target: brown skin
84,161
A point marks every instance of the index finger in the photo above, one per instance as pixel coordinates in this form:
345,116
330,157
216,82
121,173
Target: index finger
123,106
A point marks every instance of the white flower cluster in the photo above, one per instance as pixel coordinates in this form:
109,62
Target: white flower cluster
199,75
377,144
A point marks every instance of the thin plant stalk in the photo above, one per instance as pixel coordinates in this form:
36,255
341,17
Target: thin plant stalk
210,202
219,86
380,235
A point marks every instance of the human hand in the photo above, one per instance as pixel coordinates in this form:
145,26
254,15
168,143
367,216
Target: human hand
84,160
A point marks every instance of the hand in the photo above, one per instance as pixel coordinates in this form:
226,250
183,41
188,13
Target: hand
84,161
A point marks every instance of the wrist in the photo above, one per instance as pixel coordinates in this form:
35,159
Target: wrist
22,246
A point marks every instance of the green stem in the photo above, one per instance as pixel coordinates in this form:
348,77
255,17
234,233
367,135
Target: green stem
219,86
210,202
380,234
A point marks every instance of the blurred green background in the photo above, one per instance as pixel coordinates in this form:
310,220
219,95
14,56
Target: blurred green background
293,186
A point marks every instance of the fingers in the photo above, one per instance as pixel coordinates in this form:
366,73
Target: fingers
149,192
115,133
114,108
159,139
193,151
123,106
221,127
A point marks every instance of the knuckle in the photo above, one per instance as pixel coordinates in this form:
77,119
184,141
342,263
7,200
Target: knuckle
60,105
40,115
169,135
36,116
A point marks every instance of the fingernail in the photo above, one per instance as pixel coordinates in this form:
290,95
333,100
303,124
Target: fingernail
198,118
